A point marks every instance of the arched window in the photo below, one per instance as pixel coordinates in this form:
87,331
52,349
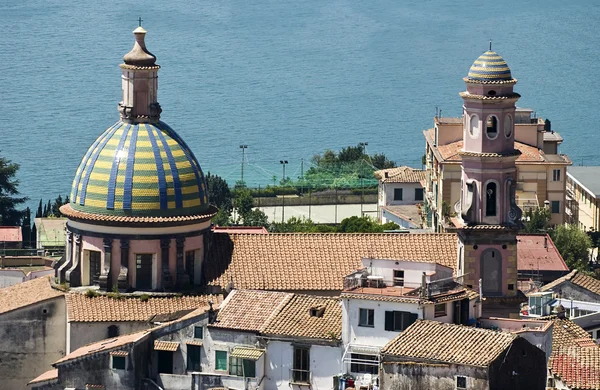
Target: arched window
491,92
113,331
491,128
508,126
474,126
490,202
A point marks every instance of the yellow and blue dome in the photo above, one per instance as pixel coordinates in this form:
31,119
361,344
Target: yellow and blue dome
489,67
139,169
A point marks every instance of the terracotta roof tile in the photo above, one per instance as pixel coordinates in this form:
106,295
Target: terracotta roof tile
102,346
451,152
578,368
295,318
81,308
301,262
400,175
577,278
249,310
538,252
449,343
169,346
566,333
49,375
27,293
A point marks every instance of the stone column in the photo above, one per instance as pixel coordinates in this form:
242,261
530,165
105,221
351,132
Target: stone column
105,279
167,279
73,275
123,278
182,278
62,270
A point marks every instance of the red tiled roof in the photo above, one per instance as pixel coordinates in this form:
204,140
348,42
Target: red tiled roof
27,293
449,343
81,308
302,262
240,229
577,278
400,175
10,234
578,368
538,252
49,375
249,310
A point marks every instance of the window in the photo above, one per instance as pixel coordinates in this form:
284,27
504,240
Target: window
193,357
556,175
366,317
418,194
242,367
461,382
221,360
398,278
508,126
440,310
490,203
198,332
397,193
190,257
398,320
491,127
361,364
113,331
474,126
555,204
118,362
301,370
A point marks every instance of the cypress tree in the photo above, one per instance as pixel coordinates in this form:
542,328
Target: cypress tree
9,199
26,227
39,213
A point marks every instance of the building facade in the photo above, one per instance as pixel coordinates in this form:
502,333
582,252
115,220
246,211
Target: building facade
583,189
139,210
400,192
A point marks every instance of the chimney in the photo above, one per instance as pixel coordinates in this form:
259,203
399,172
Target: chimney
546,242
424,289
386,174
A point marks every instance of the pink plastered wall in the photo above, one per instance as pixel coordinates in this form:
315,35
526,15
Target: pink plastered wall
476,268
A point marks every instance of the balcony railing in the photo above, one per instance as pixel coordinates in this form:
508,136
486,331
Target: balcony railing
301,377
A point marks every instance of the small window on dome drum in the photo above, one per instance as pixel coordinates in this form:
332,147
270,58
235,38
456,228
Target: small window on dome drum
491,92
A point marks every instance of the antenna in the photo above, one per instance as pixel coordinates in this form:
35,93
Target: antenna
490,45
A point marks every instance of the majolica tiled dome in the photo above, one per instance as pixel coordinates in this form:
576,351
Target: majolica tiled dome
139,169
489,67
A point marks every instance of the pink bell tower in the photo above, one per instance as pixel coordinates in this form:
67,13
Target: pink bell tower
489,217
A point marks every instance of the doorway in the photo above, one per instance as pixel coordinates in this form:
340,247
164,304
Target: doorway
143,269
165,362
95,266
491,272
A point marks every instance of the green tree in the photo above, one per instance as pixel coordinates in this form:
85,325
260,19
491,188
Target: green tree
55,209
222,218
573,245
40,211
219,193
537,221
380,161
351,153
26,227
9,194
364,224
256,217
243,202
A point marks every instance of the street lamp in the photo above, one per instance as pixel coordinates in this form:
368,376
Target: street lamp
283,164
243,147
363,145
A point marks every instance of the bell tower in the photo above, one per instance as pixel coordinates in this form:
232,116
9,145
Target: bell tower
489,217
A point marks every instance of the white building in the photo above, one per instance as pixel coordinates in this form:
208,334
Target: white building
386,297
400,190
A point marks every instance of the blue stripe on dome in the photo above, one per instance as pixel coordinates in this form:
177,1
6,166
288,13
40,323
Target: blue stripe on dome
190,156
173,166
112,181
88,171
162,184
86,157
128,184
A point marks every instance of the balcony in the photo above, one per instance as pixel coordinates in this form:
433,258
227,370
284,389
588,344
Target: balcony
300,377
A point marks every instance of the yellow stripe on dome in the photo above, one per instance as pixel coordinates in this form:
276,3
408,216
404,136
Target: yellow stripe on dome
144,192
97,190
144,144
191,202
145,205
478,62
189,189
489,69
95,203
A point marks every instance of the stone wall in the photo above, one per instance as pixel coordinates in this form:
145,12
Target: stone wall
31,339
416,376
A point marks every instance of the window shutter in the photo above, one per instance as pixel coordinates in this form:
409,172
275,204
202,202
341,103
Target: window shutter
412,318
389,320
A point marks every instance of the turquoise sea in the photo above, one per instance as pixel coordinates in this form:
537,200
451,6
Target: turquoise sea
288,78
